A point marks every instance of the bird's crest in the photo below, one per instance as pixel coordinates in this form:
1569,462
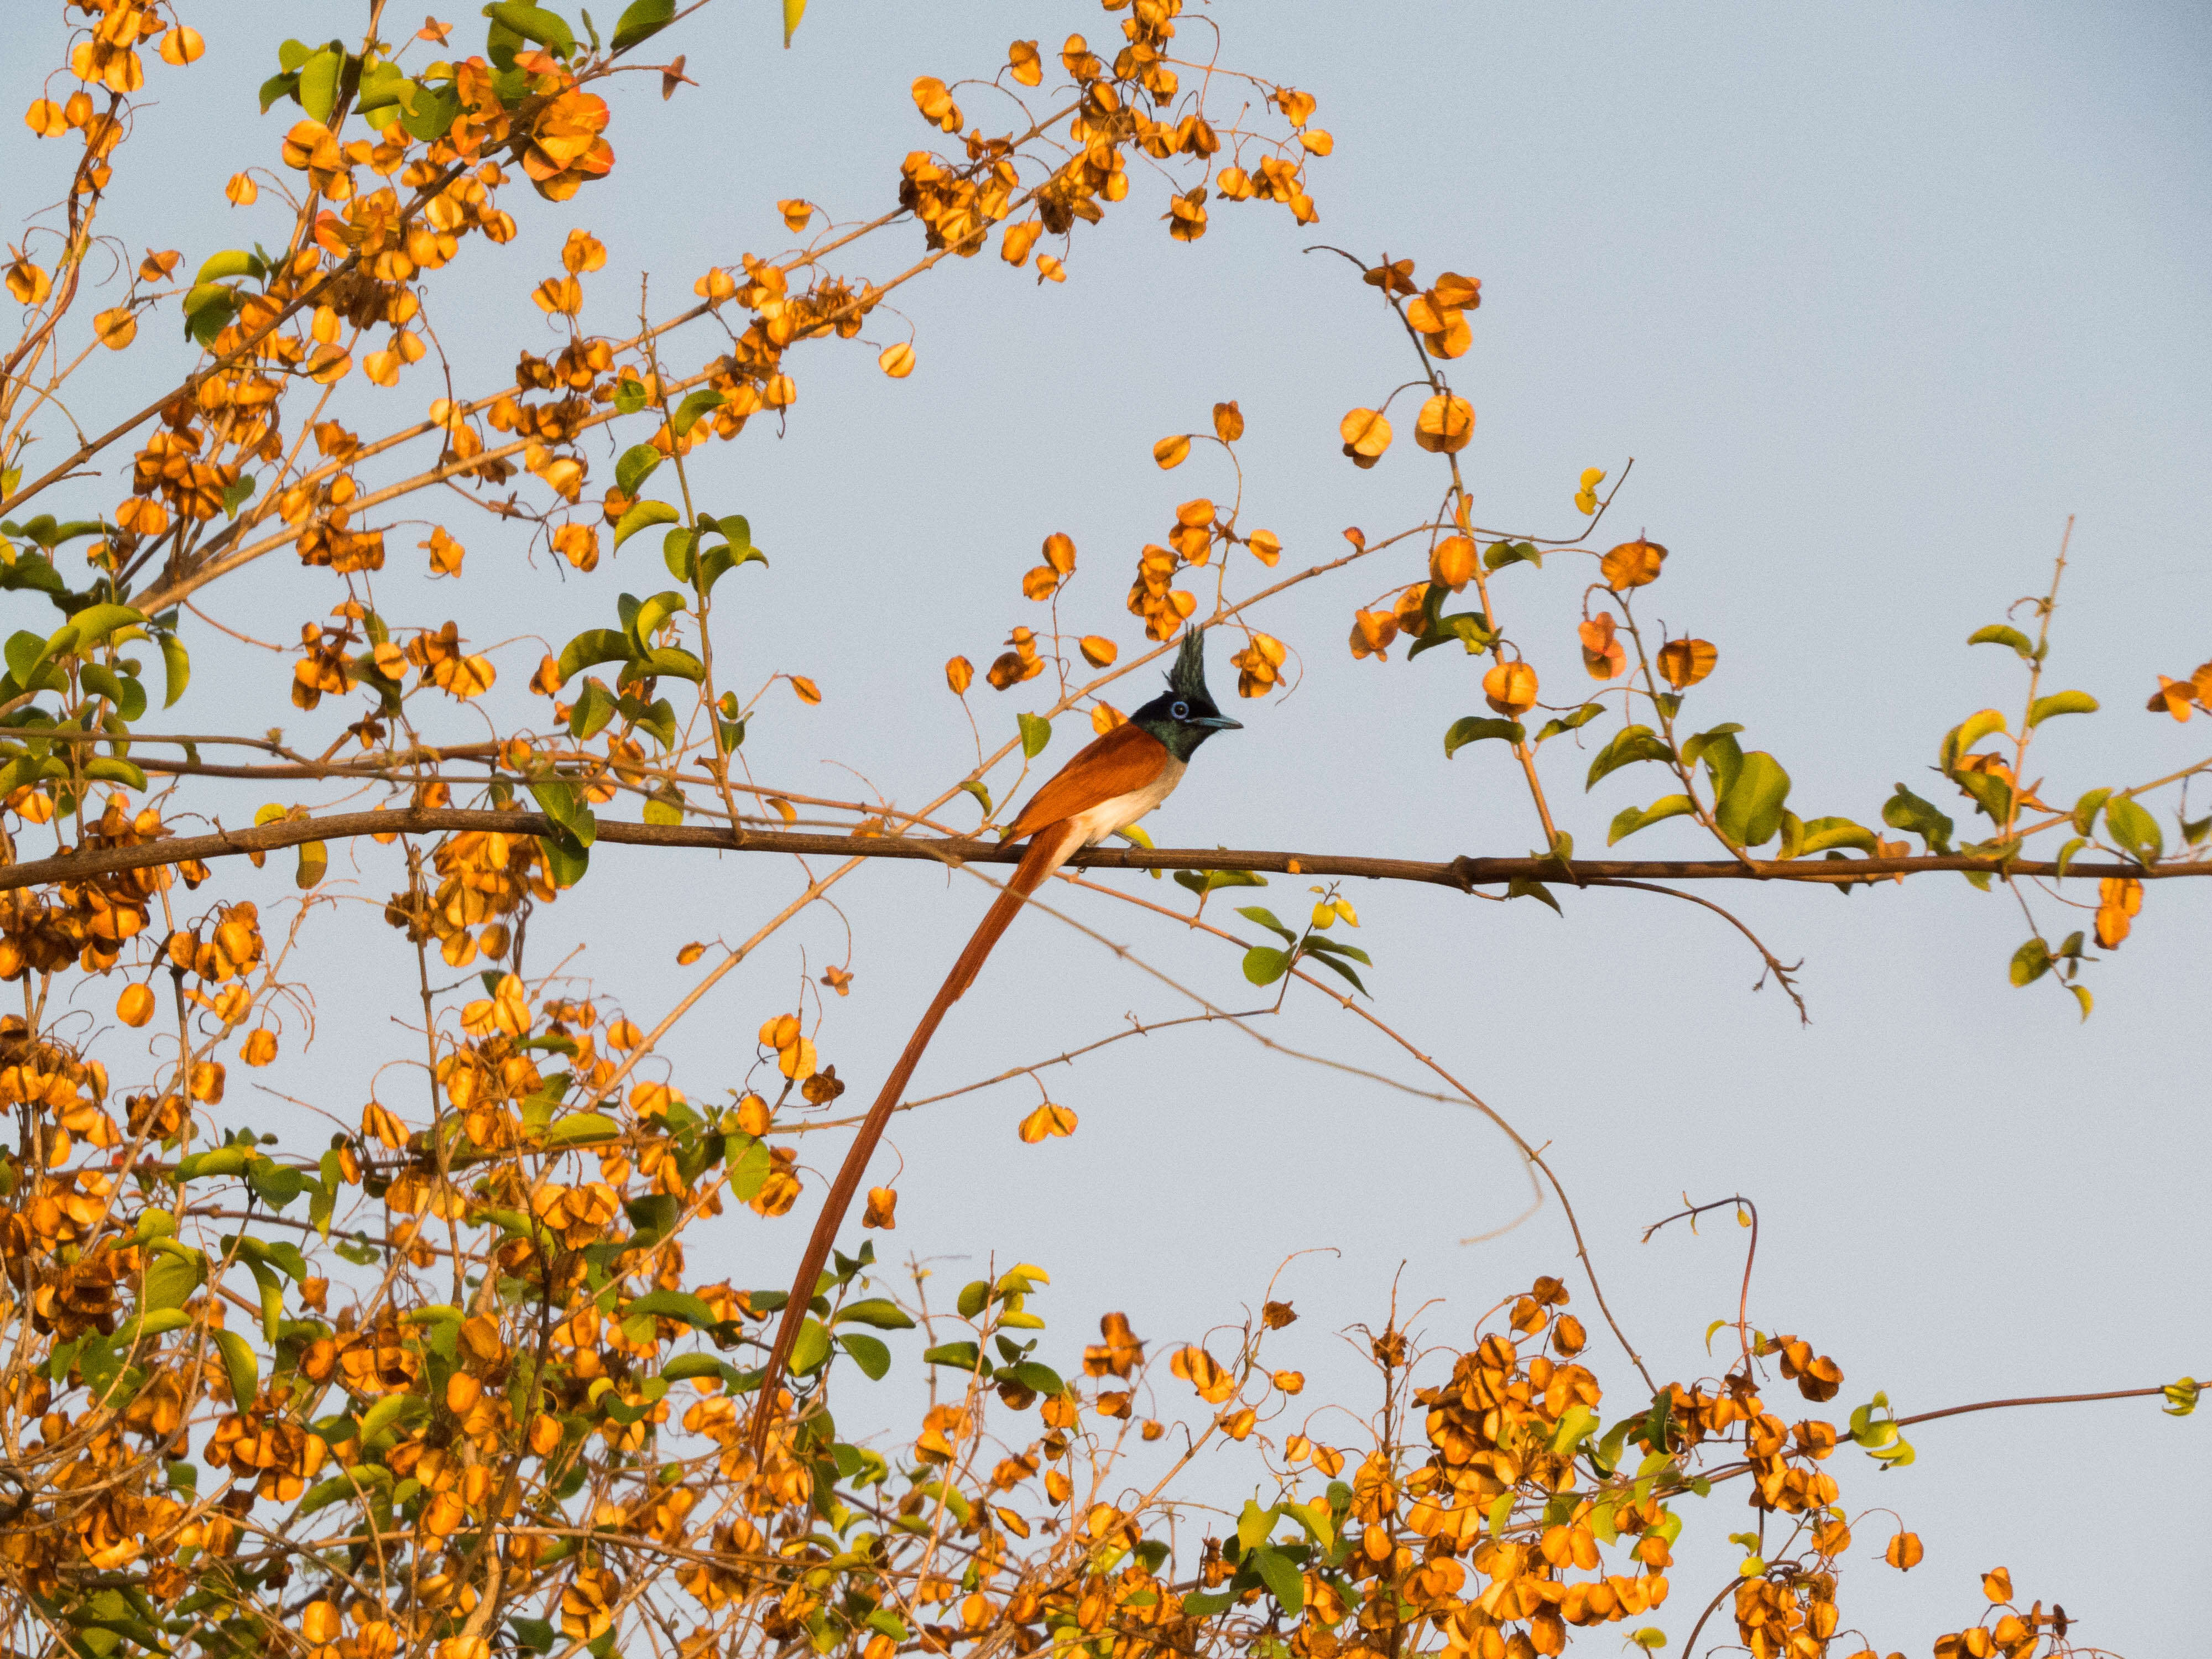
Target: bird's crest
1188,679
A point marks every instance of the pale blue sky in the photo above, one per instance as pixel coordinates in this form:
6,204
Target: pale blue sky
1875,295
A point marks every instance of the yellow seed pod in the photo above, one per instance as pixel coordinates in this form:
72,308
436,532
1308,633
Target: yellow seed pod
1445,425
319,1623
1367,435
1509,687
136,1005
1452,562
1632,564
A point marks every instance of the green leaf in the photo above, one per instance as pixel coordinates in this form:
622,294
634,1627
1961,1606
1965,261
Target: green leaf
383,89
1821,834
1574,722
171,1281
652,615
105,768
1313,953
317,89
1998,634
1628,821
276,87
1501,554
562,803
672,1305
873,1358
535,23
1037,731
574,1127
91,626
1281,1576
1521,887
636,464
592,647
644,516
393,1411
982,793
1264,965
2086,811
231,262
685,1367
878,1311
640,21
1961,737
961,1356
123,690
1629,745
1205,881
1470,627
1337,948
1032,1374
688,412
2030,961
277,1184
679,552
810,1349
669,660
2066,853
1267,919
1474,729
431,112
27,653
2135,829
1991,794
1906,810
719,561
655,1215
240,1367
207,312
593,708
535,1634
1749,811
2060,702
748,1173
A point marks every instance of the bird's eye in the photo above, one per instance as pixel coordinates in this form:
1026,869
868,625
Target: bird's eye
1180,711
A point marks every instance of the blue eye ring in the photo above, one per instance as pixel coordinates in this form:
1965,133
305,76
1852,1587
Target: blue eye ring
1180,710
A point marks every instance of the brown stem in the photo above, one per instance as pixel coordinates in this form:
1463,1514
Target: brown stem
2031,1399
1464,873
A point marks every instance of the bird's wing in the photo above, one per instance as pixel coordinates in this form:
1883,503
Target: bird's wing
1125,760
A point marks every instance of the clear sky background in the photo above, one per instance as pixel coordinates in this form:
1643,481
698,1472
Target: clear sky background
1876,296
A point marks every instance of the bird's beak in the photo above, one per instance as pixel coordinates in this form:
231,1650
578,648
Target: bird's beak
1218,723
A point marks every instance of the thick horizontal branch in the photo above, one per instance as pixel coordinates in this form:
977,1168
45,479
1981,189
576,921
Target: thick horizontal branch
1464,873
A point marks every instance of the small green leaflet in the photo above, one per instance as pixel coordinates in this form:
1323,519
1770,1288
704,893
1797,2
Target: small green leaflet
1474,729
1630,819
1998,634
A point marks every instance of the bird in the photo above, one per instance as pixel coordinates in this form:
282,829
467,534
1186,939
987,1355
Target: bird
1110,785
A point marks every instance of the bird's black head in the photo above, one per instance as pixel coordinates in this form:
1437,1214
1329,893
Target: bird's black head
1184,716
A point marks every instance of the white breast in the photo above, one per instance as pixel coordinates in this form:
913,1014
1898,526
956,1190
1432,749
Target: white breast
1102,820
